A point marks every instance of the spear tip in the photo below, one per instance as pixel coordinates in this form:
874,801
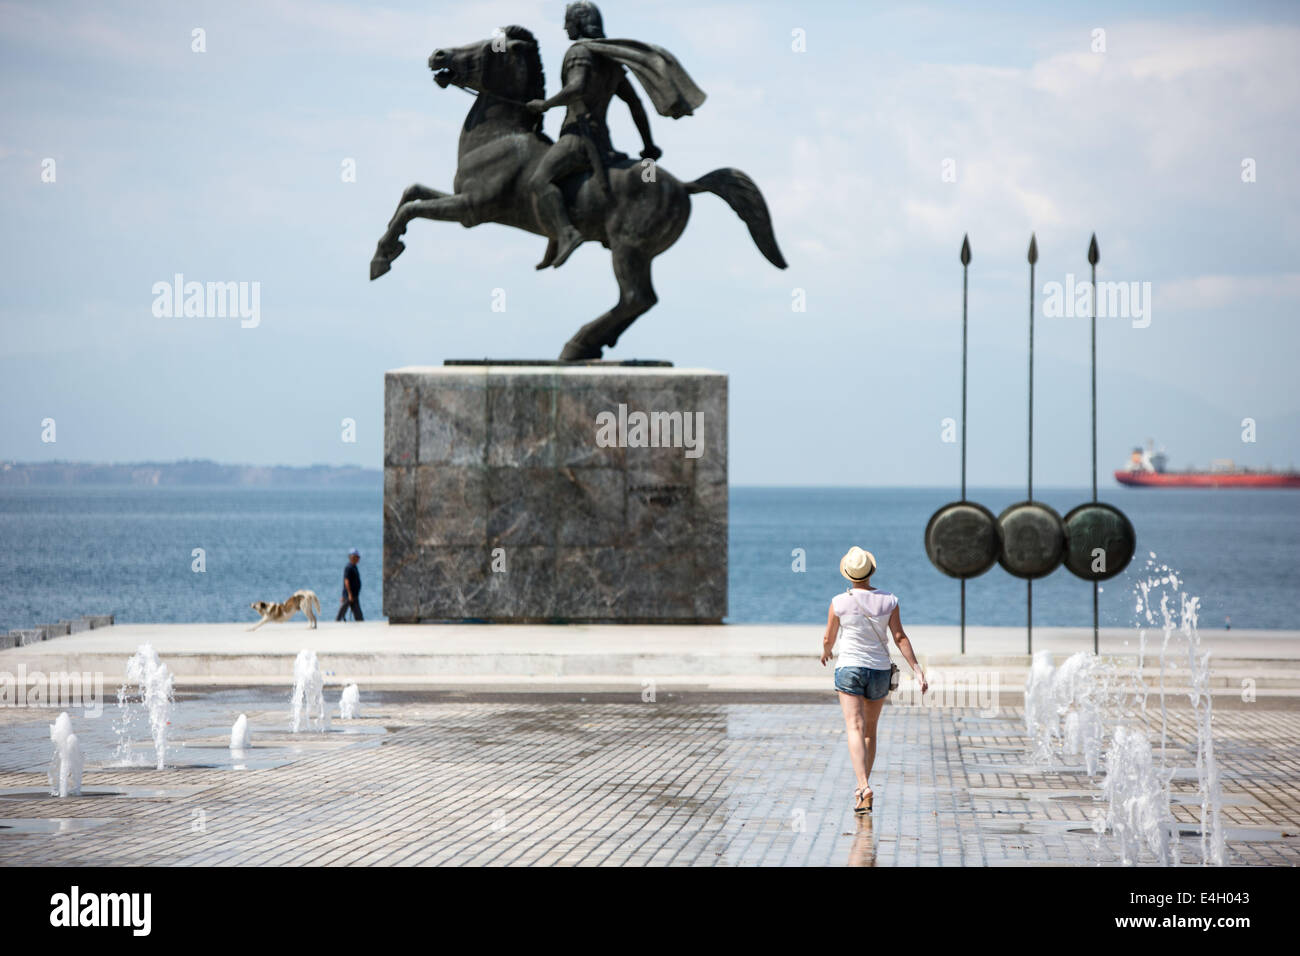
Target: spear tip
1093,254
1033,248
965,250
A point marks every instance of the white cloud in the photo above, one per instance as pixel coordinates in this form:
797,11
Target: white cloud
235,160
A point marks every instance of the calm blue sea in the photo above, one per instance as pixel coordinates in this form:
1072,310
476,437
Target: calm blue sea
128,551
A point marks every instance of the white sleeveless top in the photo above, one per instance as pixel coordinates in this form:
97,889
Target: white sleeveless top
864,628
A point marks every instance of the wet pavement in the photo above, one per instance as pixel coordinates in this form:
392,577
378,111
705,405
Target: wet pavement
614,780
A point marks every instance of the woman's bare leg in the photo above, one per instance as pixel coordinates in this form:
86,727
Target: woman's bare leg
870,718
855,730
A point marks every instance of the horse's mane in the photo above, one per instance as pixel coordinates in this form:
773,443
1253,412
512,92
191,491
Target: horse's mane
533,57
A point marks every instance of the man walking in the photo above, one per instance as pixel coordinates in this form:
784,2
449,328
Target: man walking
351,588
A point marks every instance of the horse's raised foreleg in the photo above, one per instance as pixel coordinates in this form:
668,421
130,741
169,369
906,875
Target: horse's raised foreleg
636,295
443,206
415,192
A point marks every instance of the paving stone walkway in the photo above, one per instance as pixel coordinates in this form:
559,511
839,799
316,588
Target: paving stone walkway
540,782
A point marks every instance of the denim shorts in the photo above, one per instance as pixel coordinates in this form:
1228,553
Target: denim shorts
862,682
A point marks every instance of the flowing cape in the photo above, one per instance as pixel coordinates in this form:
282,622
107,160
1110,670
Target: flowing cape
669,86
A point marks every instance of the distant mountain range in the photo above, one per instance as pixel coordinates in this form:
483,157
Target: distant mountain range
148,473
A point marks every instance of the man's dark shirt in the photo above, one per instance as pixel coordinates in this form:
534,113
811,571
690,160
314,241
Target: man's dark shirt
353,577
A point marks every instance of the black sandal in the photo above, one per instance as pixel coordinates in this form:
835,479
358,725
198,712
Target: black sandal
858,797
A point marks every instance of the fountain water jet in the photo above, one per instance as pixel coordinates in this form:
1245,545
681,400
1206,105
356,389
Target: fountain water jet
153,688
1069,707
1090,706
350,703
240,738
1040,707
1207,768
67,762
1156,592
308,693
1137,798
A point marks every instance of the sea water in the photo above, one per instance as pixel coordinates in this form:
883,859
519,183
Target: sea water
129,551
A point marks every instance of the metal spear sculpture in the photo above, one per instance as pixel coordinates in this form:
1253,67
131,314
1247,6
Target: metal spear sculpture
1032,535
1100,539
961,538
1095,541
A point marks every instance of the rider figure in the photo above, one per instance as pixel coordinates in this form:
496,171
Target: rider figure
589,81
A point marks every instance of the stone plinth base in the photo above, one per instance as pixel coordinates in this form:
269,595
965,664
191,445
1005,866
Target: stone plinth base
563,493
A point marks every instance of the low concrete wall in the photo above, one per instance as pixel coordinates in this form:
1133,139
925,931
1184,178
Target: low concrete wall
24,636
523,657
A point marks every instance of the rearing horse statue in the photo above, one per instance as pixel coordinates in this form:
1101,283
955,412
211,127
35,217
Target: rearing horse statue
634,208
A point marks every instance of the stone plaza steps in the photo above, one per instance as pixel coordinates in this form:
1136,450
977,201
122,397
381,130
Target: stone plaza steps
536,657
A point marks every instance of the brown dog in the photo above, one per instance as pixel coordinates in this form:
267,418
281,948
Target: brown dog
305,601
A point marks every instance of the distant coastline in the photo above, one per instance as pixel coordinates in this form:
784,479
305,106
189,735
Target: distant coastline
182,473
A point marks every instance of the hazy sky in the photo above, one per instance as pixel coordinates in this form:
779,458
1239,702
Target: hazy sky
226,165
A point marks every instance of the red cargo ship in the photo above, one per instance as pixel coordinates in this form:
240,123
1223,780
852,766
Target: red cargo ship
1146,469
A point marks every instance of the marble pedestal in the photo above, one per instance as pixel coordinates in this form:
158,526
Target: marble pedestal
537,493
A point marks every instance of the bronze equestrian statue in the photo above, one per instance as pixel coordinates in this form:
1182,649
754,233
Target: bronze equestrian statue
580,187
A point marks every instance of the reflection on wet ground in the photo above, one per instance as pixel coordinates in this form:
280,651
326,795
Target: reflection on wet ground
559,779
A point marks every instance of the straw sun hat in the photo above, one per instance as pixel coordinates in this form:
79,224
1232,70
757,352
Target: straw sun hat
858,565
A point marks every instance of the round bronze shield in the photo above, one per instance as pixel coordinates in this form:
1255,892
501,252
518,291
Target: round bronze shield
1033,539
1095,527
962,539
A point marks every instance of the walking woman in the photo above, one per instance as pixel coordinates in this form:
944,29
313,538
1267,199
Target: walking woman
863,617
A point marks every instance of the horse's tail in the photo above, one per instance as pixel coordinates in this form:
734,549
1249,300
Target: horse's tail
743,196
